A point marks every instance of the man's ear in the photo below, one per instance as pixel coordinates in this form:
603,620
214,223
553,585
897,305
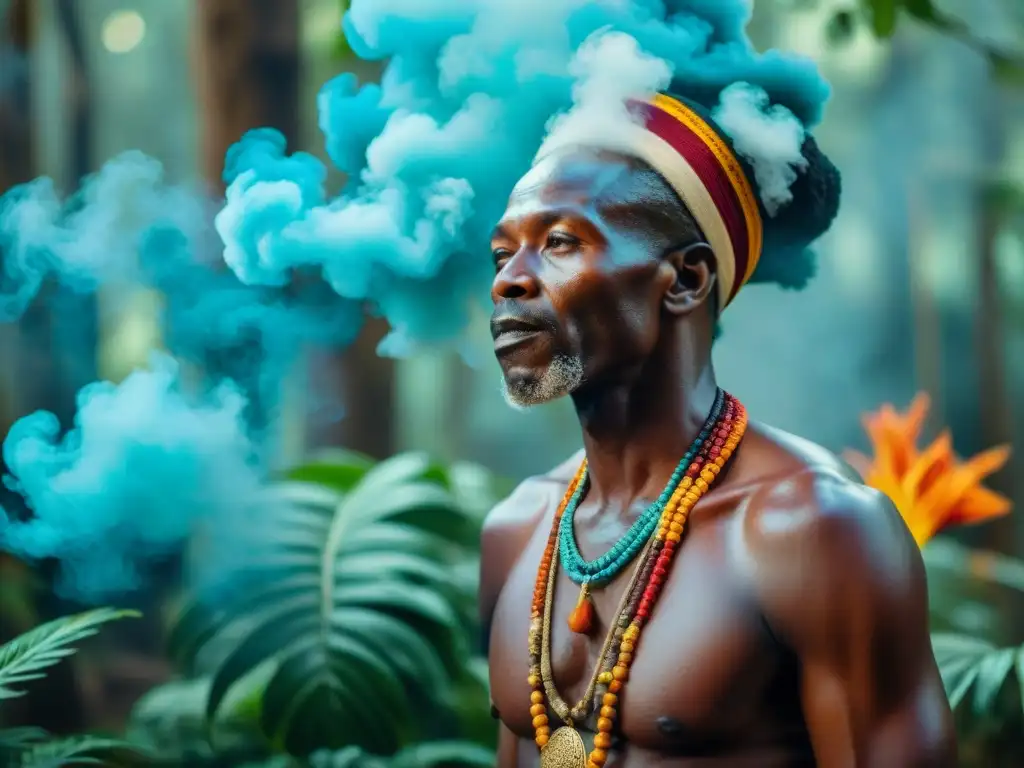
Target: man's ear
695,278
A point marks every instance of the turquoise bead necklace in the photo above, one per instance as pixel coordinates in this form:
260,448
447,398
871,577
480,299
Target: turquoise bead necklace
598,572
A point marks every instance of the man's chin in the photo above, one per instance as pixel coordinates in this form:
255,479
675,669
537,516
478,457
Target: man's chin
522,398
525,389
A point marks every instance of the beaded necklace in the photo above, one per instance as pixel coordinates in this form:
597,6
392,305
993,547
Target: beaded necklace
598,572
605,659
564,748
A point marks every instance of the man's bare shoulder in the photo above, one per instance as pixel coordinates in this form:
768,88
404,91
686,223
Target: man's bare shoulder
810,498
781,454
510,525
525,506
822,512
811,532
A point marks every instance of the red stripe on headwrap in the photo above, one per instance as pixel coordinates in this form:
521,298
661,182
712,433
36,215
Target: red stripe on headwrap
714,177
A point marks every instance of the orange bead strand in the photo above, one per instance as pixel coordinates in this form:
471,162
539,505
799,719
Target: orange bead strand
541,728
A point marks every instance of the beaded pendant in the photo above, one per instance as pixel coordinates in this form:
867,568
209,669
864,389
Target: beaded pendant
581,619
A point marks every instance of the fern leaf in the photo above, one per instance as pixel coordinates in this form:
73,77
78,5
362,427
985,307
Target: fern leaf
72,751
27,656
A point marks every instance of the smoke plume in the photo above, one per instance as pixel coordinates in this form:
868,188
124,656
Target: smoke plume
431,152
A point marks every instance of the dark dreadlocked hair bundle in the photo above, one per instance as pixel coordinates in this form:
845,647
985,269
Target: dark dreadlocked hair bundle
787,258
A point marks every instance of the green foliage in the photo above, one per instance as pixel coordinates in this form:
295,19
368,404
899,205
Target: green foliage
975,599
342,50
882,14
25,658
883,17
437,754
50,752
19,588
170,722
984,683
974,592
1005,197
359,602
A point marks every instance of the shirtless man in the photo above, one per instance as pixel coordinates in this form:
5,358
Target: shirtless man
792,629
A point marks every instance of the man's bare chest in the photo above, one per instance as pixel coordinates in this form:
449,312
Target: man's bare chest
700,674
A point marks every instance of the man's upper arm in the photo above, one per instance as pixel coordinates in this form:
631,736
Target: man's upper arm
507,531
496,553
841,582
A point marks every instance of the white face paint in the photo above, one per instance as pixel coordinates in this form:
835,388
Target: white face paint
562,377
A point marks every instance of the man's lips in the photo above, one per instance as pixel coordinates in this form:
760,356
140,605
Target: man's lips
503,325
510,331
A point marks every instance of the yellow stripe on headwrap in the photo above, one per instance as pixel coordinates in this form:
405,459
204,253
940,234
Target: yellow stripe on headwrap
734,172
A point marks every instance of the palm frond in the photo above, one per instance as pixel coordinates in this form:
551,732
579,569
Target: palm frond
27,656
984,683
355,594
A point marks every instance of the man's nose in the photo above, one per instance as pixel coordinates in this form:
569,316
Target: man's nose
515,280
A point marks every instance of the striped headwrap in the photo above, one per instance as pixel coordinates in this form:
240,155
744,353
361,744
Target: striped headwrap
701,167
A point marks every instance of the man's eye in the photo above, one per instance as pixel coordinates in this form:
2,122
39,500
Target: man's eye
500,256
559,241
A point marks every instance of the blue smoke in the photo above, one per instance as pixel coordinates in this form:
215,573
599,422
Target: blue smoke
142,464
466,97
431,154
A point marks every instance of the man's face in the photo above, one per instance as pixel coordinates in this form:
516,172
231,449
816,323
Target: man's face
578,285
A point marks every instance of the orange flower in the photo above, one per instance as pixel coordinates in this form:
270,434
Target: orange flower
931,488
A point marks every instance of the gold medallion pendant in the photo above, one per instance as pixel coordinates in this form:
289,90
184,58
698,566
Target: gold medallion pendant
564,750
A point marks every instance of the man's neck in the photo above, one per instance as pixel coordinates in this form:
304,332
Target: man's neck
635,433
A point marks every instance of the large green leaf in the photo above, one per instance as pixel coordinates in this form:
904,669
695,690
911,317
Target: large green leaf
27,656
984,686
472,695
976,599
353,591
170,721
431,754
337,469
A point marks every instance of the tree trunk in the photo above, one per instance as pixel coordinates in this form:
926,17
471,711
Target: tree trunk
248,68
996,417
247,76
247,60
16,167
366,381
74,317
926,315
36,348
17,612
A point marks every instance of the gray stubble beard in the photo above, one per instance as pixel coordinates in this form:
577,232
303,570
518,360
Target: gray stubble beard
562,377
